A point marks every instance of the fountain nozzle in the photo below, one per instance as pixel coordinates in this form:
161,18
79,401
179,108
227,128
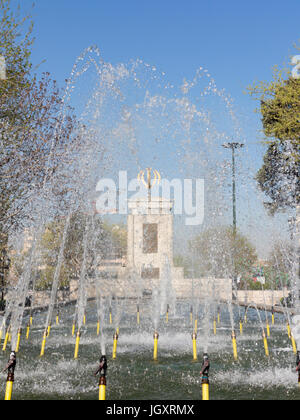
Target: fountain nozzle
205,381
10,367
102,381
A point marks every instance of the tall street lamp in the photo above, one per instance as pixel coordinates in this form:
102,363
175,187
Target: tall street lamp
233,146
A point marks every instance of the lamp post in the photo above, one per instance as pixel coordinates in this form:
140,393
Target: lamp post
233,146
4,266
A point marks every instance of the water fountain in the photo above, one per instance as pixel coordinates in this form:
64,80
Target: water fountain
126,104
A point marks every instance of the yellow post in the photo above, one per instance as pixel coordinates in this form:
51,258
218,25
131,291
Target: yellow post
268,329
9,387
288,329
43,343
98,327
196,325
6,339
57,319
167,314
234,346
73,328
110,316
215,327
77,345
245,317
205,392
27,330
218,317
294,344
205,381
241,327
114,354
191,315
18,340
266,344
0,333
84,319
194,338
273,317
30,319
155,336
138,317
48,330
102,388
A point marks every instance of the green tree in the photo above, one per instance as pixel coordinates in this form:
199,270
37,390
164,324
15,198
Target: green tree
220,253
278,177
32,127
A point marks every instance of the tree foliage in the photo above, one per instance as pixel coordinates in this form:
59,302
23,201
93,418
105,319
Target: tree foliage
278,177
220,253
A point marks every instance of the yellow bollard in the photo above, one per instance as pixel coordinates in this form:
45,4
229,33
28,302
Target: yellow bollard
77,345
155,336
73,329
194,338
110,316
5,341
196,325
98,327
116,336
205,381
8,390
27,330
245,318
43,343
138,318
215,327
241,327
57,320
268,329
0,333
84,319
191,315
102,381
48,330
288,329
294,344
30,320
102,388
266,344
234,346
18,340
218,317
273,317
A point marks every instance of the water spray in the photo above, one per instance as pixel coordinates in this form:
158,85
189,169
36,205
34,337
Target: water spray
167,314
205,379
155,336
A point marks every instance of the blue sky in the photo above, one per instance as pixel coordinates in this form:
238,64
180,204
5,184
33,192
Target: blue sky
239,42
